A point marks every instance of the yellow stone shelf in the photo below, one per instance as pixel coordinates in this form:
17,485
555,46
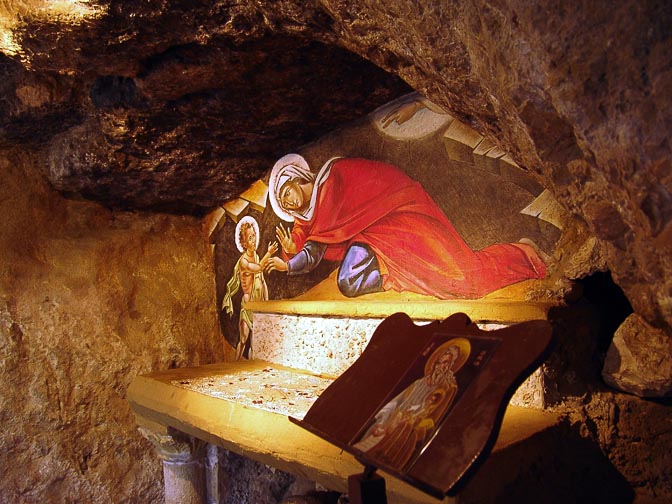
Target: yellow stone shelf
270,438
511,304
478,311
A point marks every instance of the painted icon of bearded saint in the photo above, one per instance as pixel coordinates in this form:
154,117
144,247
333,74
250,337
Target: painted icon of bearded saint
406,423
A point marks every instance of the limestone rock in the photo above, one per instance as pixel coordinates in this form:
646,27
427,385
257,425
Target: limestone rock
177,106
635,435
639,360
88,300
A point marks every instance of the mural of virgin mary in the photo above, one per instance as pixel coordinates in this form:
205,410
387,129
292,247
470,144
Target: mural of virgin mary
386,232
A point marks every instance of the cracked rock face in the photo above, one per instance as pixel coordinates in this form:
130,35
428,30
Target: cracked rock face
186,128
198,122
177,106
639,360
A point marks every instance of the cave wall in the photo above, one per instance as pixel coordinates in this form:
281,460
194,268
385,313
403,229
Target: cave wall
114,96
178,106
89,299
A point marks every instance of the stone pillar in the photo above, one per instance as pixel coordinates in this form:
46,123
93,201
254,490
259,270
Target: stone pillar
212,474
183,465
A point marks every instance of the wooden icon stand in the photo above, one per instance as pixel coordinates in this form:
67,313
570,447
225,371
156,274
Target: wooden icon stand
424,403
367,488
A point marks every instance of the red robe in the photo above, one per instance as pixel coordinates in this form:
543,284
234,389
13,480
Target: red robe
417,247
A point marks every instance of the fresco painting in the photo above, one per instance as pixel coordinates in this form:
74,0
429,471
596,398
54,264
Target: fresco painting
385,231
247,277
397,202
407,422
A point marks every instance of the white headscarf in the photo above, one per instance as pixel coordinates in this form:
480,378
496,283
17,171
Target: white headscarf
291,167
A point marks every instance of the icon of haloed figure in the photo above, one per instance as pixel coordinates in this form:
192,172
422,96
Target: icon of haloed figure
248,275
386,232
406,423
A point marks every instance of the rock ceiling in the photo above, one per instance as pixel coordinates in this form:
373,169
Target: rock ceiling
178,105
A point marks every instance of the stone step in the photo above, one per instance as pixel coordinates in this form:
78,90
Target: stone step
209,403
326,335
324,332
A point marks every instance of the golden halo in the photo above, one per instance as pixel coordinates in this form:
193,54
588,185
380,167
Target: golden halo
255,226
464,348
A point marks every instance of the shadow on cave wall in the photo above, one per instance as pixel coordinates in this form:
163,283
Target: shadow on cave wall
555,466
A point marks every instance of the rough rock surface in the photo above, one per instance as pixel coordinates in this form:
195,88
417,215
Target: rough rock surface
174,108
88,300
178,105
639,360
618,423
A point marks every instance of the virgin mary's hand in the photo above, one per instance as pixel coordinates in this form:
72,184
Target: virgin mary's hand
286,241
